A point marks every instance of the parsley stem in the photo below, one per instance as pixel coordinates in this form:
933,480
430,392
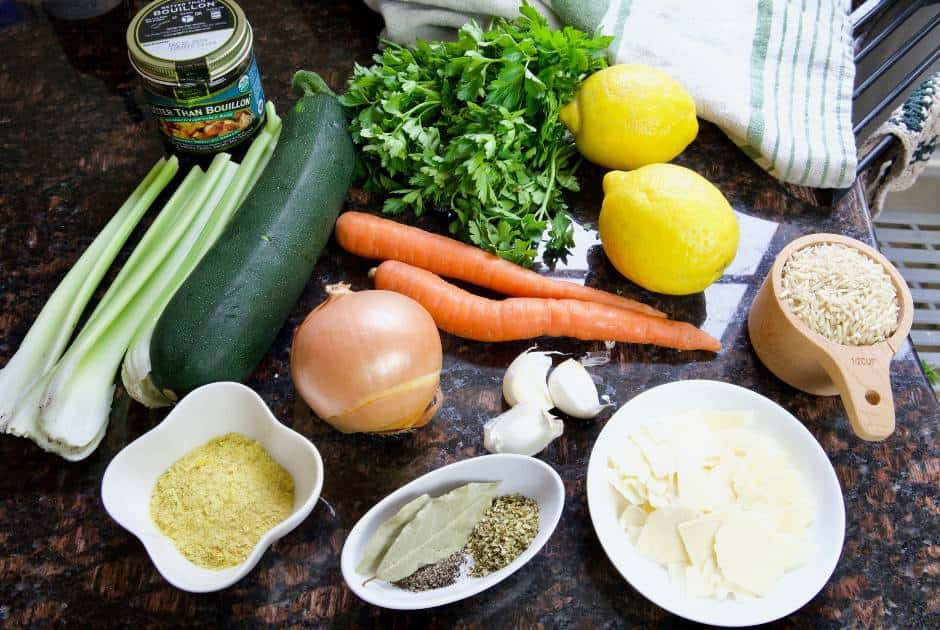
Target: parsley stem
414,109
548,189
405,115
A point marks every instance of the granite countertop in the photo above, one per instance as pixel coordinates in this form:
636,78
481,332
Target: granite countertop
75,142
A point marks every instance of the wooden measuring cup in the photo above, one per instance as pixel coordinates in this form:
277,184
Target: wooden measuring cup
808,361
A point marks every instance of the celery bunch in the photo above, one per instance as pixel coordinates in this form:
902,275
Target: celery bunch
61,398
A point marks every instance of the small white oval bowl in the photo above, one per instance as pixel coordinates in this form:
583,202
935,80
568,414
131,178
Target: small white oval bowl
519,475
797,587
207,412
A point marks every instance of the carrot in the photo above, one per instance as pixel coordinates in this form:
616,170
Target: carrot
370,236
473,317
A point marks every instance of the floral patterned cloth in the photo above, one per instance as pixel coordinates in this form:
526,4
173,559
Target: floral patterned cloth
916,126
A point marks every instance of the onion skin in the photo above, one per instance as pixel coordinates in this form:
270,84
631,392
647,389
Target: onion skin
394,406
368,361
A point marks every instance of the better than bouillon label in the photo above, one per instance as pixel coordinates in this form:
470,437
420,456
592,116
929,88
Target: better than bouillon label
203,111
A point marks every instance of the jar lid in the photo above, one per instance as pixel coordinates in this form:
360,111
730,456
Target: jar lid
188,41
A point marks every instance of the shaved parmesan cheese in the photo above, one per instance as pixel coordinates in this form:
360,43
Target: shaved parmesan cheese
794,518
660,456
660,492
746,555
698,536
715,502
796,550
633,533
704,489
658,486
696,582
746,443
628,488
632,516
663,430
772,483
658,500
721,420
695,440
659,538
630,462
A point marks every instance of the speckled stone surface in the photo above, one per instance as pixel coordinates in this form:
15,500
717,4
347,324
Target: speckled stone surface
74,143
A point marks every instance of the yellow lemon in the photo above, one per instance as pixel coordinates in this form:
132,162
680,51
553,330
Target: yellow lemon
627,116
667,228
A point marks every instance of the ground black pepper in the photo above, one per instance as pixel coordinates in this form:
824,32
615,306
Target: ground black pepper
442,573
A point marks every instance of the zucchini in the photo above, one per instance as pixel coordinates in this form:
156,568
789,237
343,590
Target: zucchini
225,316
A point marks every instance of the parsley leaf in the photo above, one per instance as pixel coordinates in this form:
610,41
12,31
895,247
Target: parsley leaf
472,126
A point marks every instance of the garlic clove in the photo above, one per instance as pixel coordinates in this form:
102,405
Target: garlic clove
573,391
526,429
525,378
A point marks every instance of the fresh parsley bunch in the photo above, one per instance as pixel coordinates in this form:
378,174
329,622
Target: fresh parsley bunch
472,126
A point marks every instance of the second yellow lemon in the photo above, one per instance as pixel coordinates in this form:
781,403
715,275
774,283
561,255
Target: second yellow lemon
628,115
667,228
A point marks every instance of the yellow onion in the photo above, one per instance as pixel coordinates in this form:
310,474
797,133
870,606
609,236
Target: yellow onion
368,361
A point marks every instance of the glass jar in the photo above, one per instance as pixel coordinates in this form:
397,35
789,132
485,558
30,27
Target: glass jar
198,71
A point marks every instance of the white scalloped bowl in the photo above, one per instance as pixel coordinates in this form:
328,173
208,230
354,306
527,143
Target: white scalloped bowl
207,412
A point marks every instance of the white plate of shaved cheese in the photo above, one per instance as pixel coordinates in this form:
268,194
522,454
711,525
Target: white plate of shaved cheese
715,503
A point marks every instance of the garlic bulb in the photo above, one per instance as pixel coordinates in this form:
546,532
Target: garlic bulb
524,380
573,391
526,429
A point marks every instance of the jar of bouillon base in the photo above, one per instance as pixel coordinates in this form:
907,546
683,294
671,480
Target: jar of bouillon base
198,71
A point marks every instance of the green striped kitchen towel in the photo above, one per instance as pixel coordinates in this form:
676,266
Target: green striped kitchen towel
775,75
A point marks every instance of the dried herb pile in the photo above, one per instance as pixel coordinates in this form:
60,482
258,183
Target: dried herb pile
430,542
505,531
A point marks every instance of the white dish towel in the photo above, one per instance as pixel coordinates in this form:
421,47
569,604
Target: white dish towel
775,75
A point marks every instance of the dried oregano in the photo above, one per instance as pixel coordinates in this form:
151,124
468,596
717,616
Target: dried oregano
505,531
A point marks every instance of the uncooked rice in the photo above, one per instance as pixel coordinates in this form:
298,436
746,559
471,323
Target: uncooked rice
841,294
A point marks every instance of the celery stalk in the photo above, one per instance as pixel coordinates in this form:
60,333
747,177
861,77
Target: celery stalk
50,333
65,402
253,162
137,359
24,421
135,371
273,126
141,262
77,402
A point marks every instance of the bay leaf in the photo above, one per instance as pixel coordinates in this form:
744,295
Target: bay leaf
386,533
439,529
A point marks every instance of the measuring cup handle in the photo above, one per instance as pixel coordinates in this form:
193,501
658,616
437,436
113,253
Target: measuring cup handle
863,378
